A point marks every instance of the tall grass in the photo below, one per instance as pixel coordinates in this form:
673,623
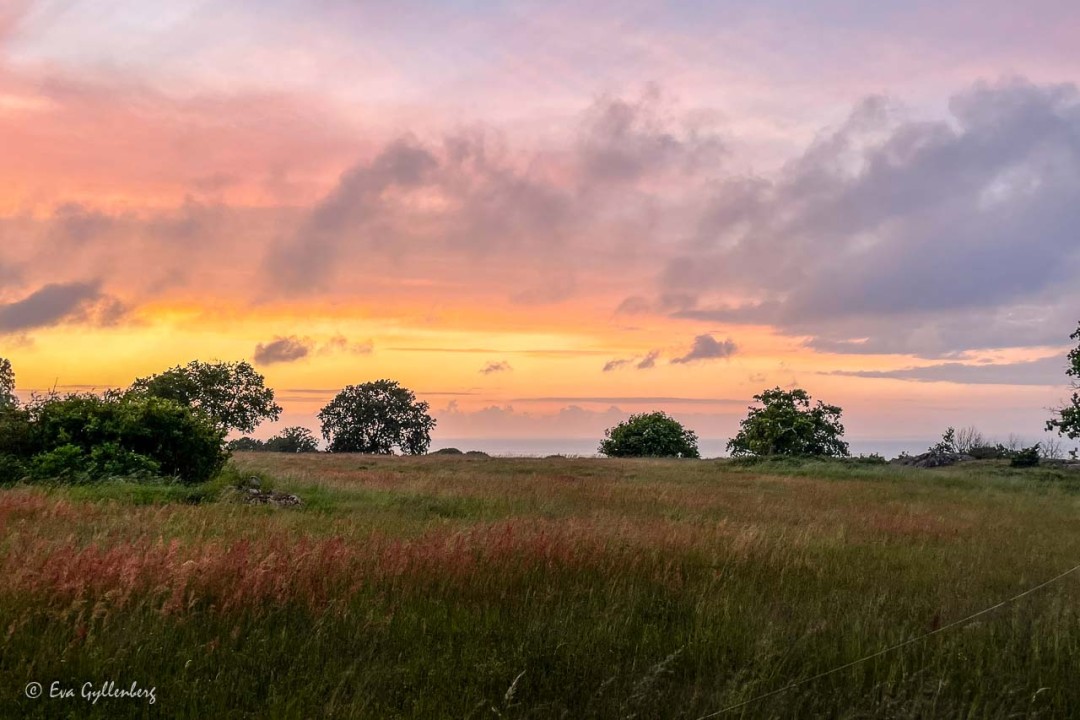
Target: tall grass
461,587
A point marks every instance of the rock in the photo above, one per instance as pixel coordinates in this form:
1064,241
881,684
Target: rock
269,497
253,482
931,459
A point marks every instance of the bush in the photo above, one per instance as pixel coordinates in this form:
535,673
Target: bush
86,437
786,424
448,451
245,444
292,440
1028,457
947,444
871,459
12,469
991,452
650,435
67,463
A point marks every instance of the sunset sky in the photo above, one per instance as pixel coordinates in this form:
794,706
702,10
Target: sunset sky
542,216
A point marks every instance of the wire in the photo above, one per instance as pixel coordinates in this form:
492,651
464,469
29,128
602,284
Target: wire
879,653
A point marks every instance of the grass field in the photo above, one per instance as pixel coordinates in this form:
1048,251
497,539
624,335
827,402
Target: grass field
550,588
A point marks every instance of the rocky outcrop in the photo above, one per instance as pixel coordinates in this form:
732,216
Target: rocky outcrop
253,494
931,459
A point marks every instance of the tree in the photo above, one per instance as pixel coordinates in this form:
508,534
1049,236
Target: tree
245,444
292,440
787,424
7,385
948,444
376,417
233,395
649,435
1067,422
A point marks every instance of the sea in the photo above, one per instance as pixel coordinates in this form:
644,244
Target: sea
709,447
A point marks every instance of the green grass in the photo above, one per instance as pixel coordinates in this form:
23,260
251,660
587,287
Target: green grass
469,587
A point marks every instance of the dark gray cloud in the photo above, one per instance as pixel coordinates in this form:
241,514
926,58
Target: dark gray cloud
452,206
352,212
282,350
641,363
893,232
706,347
1046,371
61,302
625,140
649,361
611,365
496,367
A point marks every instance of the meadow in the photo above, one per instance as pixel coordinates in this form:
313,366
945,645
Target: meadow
471,587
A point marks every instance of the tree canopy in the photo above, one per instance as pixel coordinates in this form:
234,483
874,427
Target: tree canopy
293,440
1067,422
653,434
233,395
377,417
787,424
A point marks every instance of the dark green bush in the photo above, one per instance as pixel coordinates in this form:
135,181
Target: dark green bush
66,463
650,435
1028,457
245,444
292,440
86,437
12,469
787,424
989,452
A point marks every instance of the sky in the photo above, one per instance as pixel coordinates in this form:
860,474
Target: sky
544,216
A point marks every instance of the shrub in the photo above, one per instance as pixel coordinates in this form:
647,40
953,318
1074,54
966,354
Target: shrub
1028,457
89,437
66,463
968,438
989,452
245,444
871,459
947,444
292,440
12,469
16,433
448,451
787,424
650,435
